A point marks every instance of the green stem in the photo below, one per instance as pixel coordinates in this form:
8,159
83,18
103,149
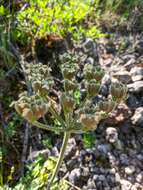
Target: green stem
46,127
61,156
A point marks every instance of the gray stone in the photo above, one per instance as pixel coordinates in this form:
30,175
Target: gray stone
89,45
117,177
103,148
33,155
125,185
124,159
132,101
123,76
116,188
91,184
137,118
137,186
112,159
130,170
55,151
99,185
129,65
71,148
112,171
101,178
74,175
136,73
139,177
89,60
85,171
139,47
136,87
111,135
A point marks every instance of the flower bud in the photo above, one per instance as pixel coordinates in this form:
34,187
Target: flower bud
88,72
44,90
68,74
88,121
118,91
18,108
98,74
69,85
93,88
39,110
36,86
68,103
28,114
106,106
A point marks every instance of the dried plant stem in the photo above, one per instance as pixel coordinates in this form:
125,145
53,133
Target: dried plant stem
61,156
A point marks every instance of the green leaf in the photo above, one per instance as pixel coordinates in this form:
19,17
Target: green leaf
2,9
89,139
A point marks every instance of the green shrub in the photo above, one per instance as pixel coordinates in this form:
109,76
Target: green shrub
60,17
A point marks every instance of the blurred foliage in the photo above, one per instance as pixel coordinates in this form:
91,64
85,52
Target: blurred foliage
37,175
89,139
119,6
60,17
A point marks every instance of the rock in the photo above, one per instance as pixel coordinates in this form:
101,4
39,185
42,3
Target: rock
116,188
85,172
74,175
117,177
136,87
125,185
103,148
55,151
121,114
139,177
101,178
110,48
72,163
99,185
137,186
104,90
128,57
139,61
112,171
90,60
139,47
90,47
136,73
71,148
124,159
91,184
33,155
111,135
130,64
111,180
132,101
130,170
123,76
112,159
137,118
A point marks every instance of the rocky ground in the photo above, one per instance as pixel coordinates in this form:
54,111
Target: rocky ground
115,162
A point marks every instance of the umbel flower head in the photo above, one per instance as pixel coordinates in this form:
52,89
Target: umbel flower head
40,78
31,107
92,72
118,91
74,113
89,121
107,106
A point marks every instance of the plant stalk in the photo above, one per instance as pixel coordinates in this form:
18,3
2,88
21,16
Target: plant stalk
60,159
